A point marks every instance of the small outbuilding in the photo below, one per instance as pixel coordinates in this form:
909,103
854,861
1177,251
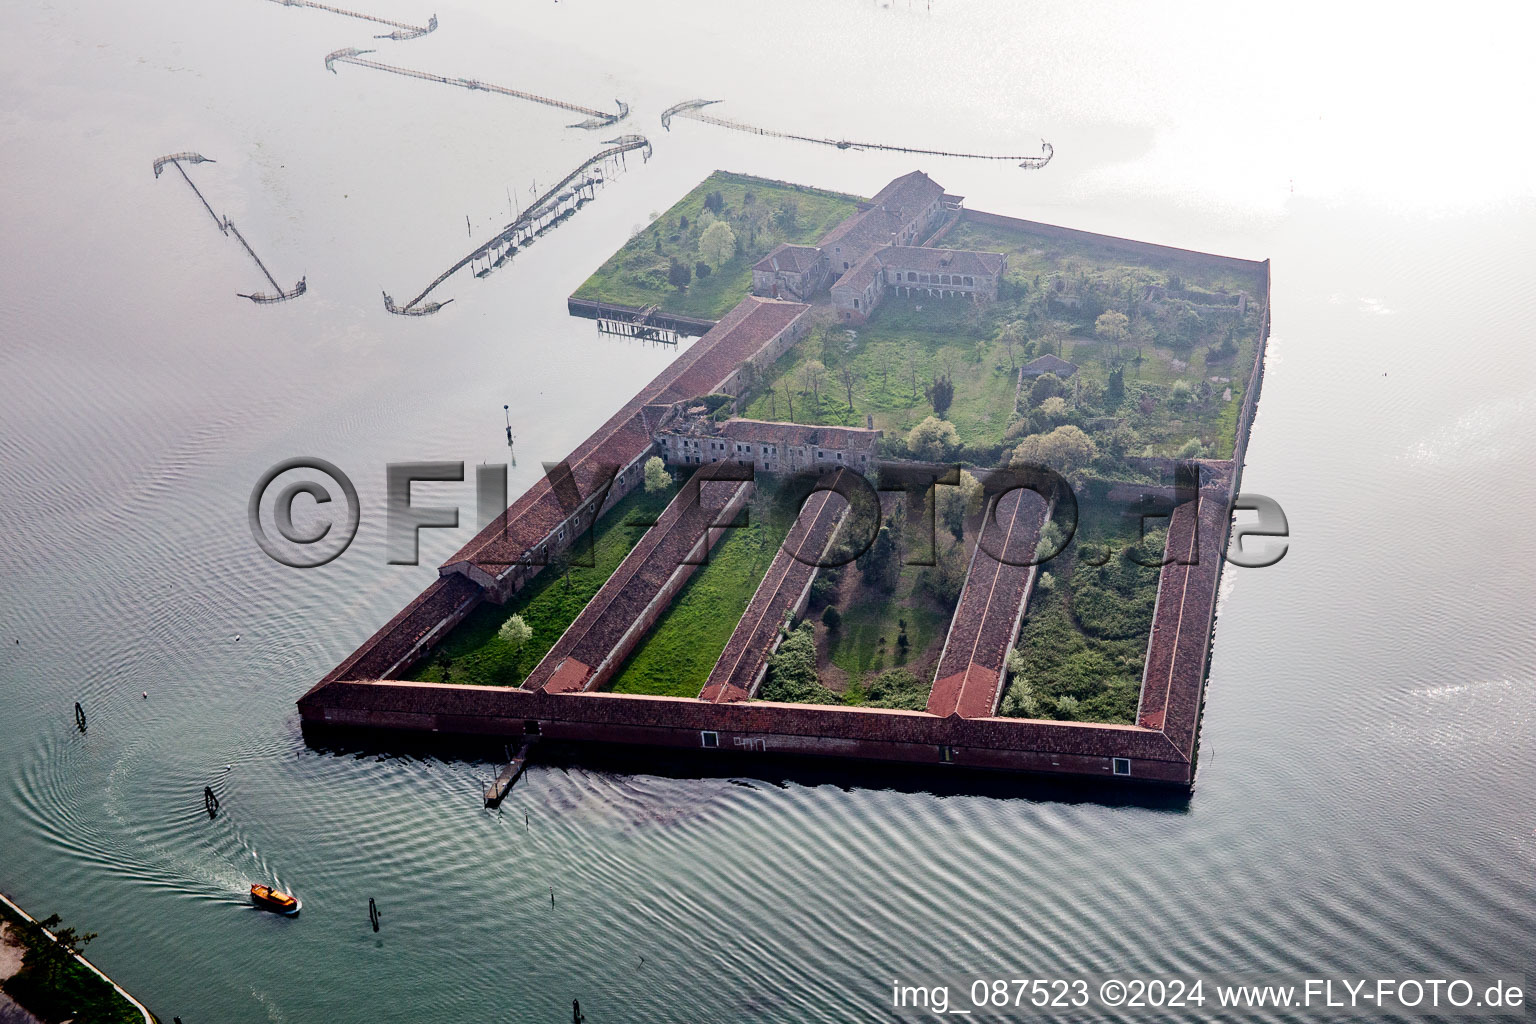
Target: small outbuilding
1050,364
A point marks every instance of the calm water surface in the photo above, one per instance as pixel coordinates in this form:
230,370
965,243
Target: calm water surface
1364,800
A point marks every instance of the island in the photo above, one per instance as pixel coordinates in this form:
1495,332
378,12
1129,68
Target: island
932,486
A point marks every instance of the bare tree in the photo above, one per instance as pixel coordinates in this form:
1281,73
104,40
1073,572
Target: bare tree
1010,338
811,373
846,375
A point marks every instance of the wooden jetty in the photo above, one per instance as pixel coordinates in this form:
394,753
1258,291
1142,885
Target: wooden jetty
595,118
549,210
637,318
693,110
227,228
402,31
499,787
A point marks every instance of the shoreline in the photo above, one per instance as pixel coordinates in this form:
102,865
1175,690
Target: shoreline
10,905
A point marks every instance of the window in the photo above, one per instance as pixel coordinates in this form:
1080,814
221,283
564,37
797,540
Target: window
855,303
531,727
710,739
946,754
969,281
1122,766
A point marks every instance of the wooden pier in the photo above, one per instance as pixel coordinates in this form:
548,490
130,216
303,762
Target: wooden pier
636,319
693,110
499,787
227,228
402,31
595,118
548,211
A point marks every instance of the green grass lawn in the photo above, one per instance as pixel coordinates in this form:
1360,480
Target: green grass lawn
761,213
675,658
1084,638
548,603
68,991
1057,288
876,611
899,342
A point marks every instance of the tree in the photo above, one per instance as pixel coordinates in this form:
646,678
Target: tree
846,375
678,274
1054,409
1065,449
877,563
1114,390
701,270
1011,336
656,476
1113,326
944,580
1179,395
515,632
717,244
1047,385
933,439
831,617
46,961
714,202
811,373
787,216
941,393
956,503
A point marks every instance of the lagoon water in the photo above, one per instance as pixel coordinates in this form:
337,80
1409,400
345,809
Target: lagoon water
1364,798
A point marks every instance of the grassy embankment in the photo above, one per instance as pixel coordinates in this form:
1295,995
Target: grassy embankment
55,987
1083,645
761,214
676,656
476,655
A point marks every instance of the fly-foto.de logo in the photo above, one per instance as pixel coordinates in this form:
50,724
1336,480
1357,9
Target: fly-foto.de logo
305,512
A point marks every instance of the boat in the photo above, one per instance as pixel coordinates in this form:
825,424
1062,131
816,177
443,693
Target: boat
267,898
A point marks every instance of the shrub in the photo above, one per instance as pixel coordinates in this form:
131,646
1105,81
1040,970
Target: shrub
831,617
897,688
792,677
701,270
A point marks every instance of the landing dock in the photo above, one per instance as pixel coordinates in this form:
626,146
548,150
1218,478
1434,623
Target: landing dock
497,791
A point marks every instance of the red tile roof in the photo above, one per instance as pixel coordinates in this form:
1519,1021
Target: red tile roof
910,194
794,259
676,540
626,436
941,261
970,669
1186,608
